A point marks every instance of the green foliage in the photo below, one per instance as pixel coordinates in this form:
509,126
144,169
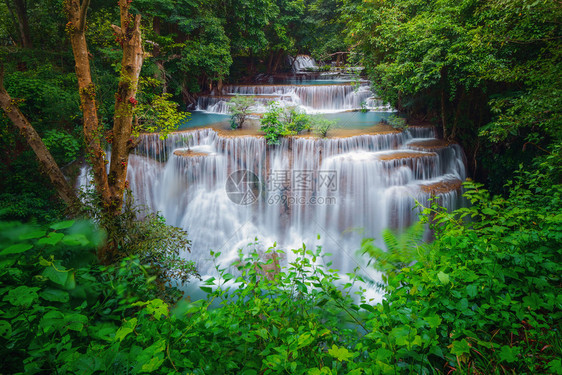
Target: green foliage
478,69
398,123
483,295
402,250
64,147
240,107
322,125
160,115
138,232
482,298
47,96
271,124
59,311
286,121
296,121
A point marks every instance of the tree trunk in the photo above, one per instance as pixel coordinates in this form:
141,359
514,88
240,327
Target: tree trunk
20,8
277,60
270,62
129,35
110,187
443,113
15,22
46,160
92,130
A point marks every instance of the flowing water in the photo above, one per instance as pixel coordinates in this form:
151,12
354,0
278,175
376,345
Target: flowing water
311,98
302,63
338,189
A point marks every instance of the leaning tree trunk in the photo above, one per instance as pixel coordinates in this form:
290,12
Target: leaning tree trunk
129,36
46,160
76,28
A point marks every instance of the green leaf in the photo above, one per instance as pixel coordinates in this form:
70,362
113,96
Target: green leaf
54,295
77,239
555,366
125,329
509,354
368,307
472,290
402,334
16,249
86,365
489,211
75,322
151,357
157,308
62,225
152,365
206,289
33,235
53,320
305,340
22,296
460,347
56,275
443,277
341,354
433,321
52,239
5,329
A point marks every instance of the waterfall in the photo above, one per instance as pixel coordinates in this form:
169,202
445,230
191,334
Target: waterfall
311,98
343,189
302,63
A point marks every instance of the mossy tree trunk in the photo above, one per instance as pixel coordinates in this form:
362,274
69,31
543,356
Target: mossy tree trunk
110,187
129,36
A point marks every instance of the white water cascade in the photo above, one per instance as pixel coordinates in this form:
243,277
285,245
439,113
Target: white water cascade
301,63
311,98
343,189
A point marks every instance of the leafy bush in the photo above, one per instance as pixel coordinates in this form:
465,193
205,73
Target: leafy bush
398,123
281,122
271,124
144,234
64,147
55,301
483,297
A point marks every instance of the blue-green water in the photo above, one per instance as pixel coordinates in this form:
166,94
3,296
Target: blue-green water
344,120
199,118
357,120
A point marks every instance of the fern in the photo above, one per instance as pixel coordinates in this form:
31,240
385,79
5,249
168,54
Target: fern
402,249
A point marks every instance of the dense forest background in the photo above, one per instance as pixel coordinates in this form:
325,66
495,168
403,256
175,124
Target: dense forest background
483,298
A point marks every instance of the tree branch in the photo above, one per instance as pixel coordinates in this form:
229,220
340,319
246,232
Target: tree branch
83,11
117,30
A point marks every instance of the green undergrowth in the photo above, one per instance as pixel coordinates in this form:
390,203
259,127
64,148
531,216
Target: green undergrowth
483,298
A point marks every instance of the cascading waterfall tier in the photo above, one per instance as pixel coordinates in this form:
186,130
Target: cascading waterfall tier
343,189
311,98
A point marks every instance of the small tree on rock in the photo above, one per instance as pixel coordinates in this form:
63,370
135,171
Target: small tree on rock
240,108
